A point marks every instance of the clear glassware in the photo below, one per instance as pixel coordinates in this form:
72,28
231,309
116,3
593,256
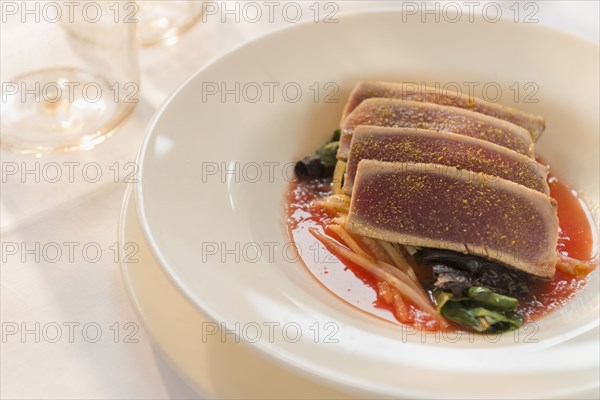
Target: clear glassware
164,21
69,73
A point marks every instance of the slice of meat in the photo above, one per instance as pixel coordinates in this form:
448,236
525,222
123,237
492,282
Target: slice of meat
442,207
363,90
396,113
426,146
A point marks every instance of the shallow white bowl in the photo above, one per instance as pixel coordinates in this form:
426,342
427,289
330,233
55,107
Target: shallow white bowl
205,225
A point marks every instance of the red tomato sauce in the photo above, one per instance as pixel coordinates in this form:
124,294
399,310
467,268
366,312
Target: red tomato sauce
358,287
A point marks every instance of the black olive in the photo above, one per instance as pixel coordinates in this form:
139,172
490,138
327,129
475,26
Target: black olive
311,168
479,271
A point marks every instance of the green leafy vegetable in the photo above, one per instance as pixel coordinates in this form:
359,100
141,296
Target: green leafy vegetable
328,154
490,298
497,320
442,298
456,312
336,136
482,309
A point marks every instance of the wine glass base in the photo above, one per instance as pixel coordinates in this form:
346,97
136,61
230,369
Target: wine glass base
60,109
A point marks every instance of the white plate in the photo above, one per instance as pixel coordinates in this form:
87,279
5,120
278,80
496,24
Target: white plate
186,214
218,368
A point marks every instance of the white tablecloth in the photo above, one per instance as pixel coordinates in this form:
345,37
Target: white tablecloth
80,295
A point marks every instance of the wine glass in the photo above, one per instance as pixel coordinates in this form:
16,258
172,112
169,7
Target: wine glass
69,73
